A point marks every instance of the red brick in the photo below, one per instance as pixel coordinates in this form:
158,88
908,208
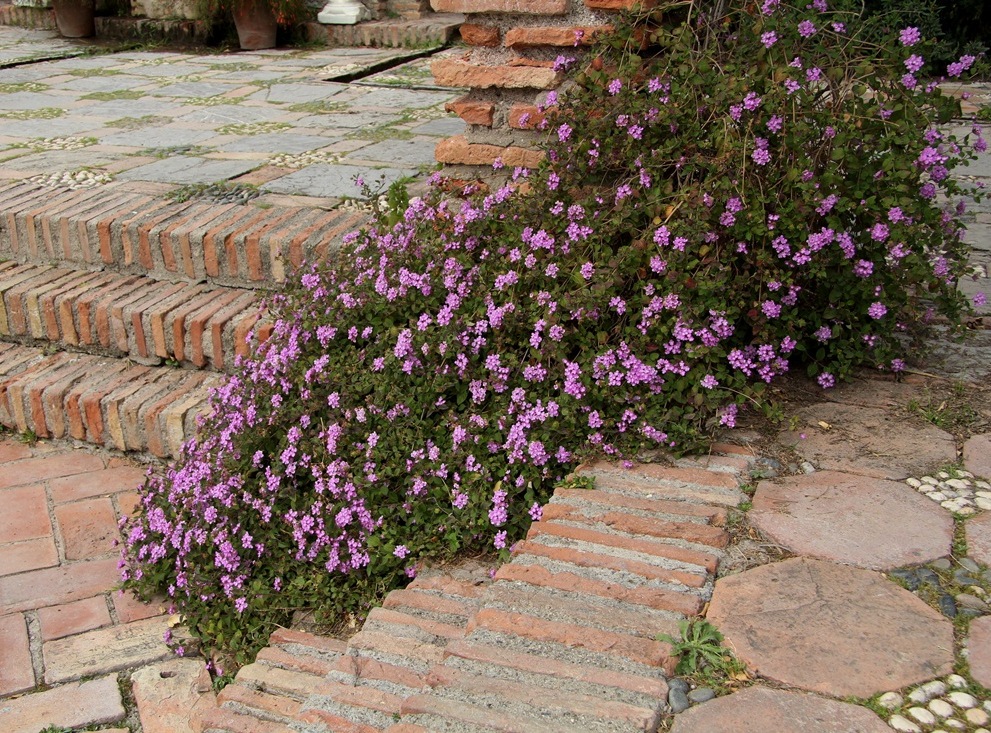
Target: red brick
16,671
715,515
130,229
198,321
219,325
233,262
73,618
10,451
472,112
47,587
128,608
632,524
213,239
559,703
657,598
97,483
361,697
531,7
448,585
55,397
252,242
528,36
112,226
539,664
429,602
47,302
46,467
87,225
158,315
644,471
220,719
190,238
367,668
637,649
135,313
273,656
155,433
635,544
458,151
88,528
315,221
74,246
595,560
525,117
177,321
112,407
480,35
335,723
148,236
74,408
91,401
456,73
65,305
15,299
166,239
11,279
109,314
28,394
418,653
270,705
128,504
90,303
18,557
397,618
326,644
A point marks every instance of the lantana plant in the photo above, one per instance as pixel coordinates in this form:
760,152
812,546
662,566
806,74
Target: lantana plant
738,194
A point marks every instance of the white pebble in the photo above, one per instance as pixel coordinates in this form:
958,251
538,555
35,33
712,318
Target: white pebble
922,715
965,474
935,687
903,724
890,700
920,695
943,475
983,492
941,707
955,724
987,705
913,482
983,502
937,495
958,483
982,485
929,480
976,716
962,699
966,511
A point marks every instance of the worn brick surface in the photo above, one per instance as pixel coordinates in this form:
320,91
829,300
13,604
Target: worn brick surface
16,673
75,705
18,557
105,650
25,513
170,695
73,618
88,528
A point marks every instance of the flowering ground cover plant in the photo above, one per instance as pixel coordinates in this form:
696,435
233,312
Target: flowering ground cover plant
762,190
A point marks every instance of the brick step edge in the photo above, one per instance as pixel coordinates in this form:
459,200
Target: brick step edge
433,29
107,402
579,659
135,317
119,228
24,17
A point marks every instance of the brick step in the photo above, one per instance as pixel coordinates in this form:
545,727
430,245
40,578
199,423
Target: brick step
16,15
431,29
131,316
104,401
691,484
115,227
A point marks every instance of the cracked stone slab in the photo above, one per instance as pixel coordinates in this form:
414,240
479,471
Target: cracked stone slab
870,523
105,650
759,710
332,180
180,169
830,628
868,441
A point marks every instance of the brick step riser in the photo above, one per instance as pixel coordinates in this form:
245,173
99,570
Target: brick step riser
101,401
133,234
147,321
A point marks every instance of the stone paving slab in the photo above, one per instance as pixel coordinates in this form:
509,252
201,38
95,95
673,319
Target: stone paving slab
977,455
868,441
93,702
171,694
870,523
761,710
831,629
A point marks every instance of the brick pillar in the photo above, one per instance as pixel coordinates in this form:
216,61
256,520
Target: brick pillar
509,69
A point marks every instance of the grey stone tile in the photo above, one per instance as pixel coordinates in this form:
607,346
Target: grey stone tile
114,109
30,100
401,99
444,127
51,161
299,93
276,143
157,137
412,153
194,89
347,120
166,71
115,83
228,114
22,74
58,127
181,169
330,180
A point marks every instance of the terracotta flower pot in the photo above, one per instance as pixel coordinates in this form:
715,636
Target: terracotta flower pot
256,24
74,18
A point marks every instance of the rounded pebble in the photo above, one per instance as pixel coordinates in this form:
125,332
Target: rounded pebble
955,724
941,708
903,724
913,482
942,563
890,700
922,716
934,688
919,695
976,716
970,601
983,502
937,496
962,699
943,475
676,683
678,701
957,483
969,565
701,694
929,480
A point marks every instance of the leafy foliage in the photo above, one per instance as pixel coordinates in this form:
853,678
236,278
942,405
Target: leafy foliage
759,190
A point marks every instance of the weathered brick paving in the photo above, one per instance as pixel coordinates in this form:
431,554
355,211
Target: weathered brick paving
562,639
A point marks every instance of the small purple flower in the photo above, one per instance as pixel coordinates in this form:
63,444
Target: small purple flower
614,87
709,381
401,551
877,310
914,62
980,299
564,132
587,270
806,29
769,39
910,36
826,380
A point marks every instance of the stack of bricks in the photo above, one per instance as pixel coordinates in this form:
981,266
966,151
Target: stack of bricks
509,69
